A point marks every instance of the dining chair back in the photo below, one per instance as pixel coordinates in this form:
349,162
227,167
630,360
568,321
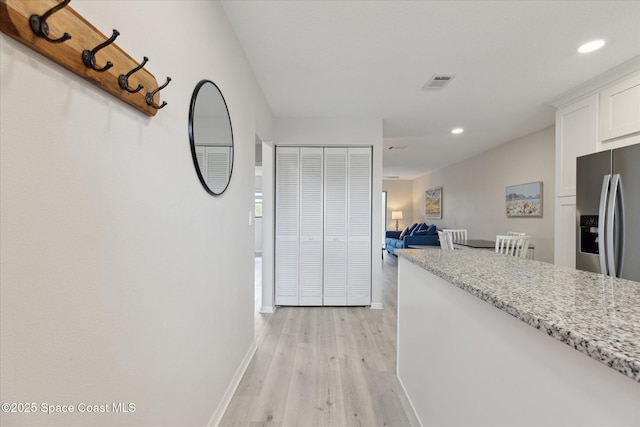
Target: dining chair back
515,233
513,245
446,242
456,235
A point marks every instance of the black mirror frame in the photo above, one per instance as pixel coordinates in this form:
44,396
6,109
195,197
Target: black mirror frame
192,142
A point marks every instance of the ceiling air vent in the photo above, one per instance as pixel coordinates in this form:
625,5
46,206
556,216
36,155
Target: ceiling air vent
437,81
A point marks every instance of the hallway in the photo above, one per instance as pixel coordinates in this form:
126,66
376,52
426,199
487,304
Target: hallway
326,366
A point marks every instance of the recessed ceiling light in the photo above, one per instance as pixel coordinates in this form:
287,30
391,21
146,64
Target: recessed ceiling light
591,46
457,131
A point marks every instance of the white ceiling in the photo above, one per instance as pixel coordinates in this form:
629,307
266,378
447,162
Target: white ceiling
370,59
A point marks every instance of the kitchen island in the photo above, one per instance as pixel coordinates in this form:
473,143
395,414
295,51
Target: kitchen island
489,339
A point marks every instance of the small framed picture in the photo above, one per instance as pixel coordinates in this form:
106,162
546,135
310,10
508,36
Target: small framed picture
433,203
524,199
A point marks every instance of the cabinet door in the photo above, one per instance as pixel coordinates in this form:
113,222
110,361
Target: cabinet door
311,178
323,226
359,227
620,110
564,250
335,226
576,135
287,189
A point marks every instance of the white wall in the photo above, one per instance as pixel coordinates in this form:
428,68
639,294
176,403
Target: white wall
473,191
399,198
122,280
322,132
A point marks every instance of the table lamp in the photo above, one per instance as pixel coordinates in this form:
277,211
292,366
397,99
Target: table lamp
396,215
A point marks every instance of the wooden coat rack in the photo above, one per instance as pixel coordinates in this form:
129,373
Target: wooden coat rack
55,30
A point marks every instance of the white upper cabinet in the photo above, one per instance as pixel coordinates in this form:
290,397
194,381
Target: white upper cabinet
606,116
620,112
576,135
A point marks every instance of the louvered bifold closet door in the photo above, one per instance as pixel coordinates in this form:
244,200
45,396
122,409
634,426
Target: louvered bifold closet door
218,161
287,225
200,153
335,226
311,180
359,227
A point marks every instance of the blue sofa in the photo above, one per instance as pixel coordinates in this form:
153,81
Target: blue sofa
419,234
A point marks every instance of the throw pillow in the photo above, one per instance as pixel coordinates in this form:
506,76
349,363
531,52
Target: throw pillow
404,233
416,229
413,227
432,230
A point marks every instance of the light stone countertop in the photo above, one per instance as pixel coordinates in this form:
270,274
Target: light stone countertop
595,314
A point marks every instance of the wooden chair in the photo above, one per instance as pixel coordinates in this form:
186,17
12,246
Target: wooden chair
456,235
515,233
513,245
446,242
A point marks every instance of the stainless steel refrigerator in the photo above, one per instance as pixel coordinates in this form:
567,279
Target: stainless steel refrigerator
608,212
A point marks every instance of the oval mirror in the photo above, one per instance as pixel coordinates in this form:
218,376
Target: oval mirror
211,137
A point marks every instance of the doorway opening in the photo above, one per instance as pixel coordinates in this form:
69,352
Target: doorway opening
258,228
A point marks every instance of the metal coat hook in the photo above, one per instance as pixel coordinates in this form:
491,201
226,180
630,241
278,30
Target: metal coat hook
123,79
41,28
89,56
149,96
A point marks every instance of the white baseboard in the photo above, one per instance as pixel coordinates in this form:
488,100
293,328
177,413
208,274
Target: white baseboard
237,377
404,390
376,306
235,382
267,309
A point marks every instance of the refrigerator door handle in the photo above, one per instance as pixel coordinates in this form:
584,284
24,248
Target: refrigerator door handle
622,232
601,224
611,211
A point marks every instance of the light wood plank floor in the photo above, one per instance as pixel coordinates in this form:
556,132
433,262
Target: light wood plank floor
326,366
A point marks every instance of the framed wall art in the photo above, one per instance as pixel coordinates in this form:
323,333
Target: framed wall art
524,199
433,203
